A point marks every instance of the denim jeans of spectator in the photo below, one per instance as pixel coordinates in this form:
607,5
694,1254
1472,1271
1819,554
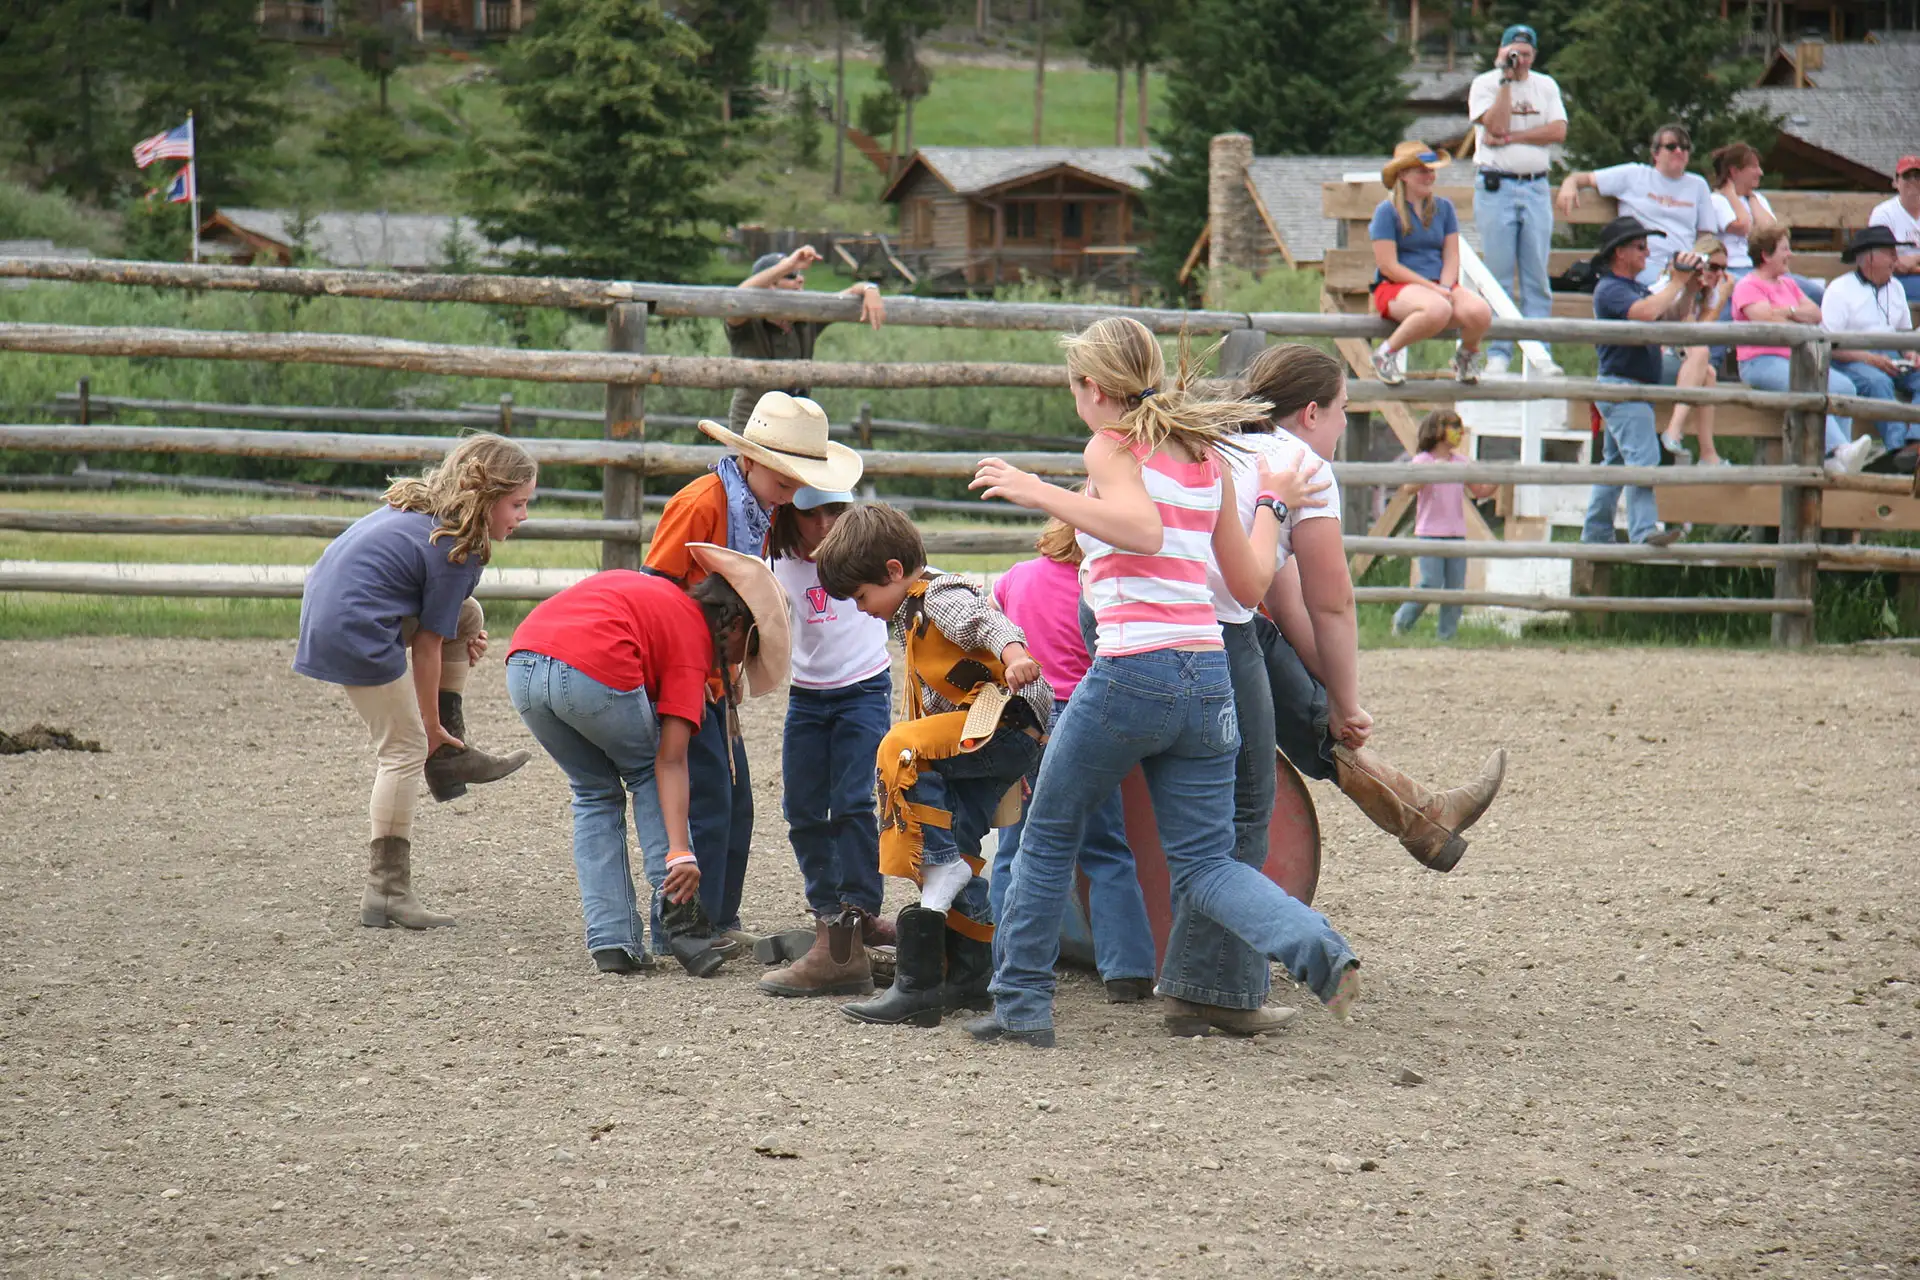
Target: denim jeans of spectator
1875,384
1631,440
1171,712
1770,373
1299,705
605,741
1516,233
826,764
969,787
1437,573
1912,285
1122,934
720,816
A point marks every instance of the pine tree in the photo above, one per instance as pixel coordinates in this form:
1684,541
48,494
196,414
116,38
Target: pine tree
897,26
61,63
207,57
619,146
732,31
1302,77
1120,34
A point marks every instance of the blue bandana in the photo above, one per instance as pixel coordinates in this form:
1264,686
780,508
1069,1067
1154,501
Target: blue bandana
747,521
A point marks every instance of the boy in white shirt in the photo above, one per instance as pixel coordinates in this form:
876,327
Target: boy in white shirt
1901,215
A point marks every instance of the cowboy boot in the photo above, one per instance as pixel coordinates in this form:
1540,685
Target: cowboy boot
1185,1018
919,966
877,931
451,768
836,966
969,970
689,937
1428,825
388,899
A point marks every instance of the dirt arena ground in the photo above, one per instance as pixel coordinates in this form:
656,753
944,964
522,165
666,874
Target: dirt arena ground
1662,1016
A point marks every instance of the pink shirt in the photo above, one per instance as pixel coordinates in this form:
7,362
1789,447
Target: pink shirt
1042,598
1782,293
1440,510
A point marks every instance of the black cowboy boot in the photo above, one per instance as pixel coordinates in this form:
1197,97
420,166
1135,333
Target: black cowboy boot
689,937
969,970
916,995
450,768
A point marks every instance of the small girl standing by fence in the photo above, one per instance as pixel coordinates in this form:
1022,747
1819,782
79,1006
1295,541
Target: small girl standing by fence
400,582
839,709
1440,512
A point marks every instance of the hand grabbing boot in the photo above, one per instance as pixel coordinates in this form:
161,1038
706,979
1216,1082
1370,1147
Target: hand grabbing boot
388,899
690,937
450,768
1427,824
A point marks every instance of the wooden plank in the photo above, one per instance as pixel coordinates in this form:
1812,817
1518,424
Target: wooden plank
1760,505
1582,604
1822,209
1728,420
286,526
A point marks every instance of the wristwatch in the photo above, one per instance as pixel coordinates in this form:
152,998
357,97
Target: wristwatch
1272,504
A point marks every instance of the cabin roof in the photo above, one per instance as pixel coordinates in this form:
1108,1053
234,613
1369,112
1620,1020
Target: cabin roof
981,170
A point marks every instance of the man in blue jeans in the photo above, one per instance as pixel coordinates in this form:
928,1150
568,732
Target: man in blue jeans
1631,437
1517,115
1869,299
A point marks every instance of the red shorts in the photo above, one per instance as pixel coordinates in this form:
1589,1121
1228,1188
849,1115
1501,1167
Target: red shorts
1386,291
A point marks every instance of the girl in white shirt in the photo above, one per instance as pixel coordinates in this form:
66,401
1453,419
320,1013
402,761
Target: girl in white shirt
839,708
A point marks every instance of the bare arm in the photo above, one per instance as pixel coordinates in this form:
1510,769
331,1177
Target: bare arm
1669,302
1497,117
1450,261
1327,589
670,778
1117,510
426,688
873,307
1570,189
1742,223
1289,612
1541,134
805,256
1246,560
1386,259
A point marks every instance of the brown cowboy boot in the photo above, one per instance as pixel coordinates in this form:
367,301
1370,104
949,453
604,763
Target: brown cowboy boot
836,966
389,899
878,931
1428,825
450,769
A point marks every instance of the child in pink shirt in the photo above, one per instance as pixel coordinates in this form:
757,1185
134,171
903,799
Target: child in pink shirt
1440,511
1042,597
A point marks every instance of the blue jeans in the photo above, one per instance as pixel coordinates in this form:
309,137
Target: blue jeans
826,762
1874,385
1437,573
1912,285
1122,934
969,787
720,817
605,741
1516,233
1299,705
1171,712
1631,440
1770,373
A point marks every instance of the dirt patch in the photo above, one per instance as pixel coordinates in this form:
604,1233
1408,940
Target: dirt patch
42,737
1661,1017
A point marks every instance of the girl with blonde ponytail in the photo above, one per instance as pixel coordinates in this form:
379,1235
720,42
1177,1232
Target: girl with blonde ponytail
1159,511
399,583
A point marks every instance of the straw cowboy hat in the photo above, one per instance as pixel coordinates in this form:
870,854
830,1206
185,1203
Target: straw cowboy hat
789,434
1412,155
750,577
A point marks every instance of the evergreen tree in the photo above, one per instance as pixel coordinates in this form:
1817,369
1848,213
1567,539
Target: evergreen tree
732,31
898,26
1120,34
61,64
207,57
1302,77
619,145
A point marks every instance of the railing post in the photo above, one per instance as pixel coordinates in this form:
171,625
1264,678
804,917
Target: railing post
1806,431
866,424
83,392
623,489
506,413
1238,349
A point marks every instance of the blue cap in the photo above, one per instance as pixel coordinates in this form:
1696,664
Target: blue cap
807,497
766,260
1519,31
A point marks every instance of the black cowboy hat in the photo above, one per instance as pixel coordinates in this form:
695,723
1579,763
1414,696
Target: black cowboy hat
1868,238
1619,232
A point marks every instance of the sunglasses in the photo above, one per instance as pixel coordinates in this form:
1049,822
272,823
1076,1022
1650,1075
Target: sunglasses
795,276
1673,146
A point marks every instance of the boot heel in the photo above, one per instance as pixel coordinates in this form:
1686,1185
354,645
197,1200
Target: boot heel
698,959
373,918
924,1018
783,948
1186,1027
1448,855
447,791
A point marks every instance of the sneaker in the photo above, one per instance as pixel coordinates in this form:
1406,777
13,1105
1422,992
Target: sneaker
1499,365
1851,456
1390,365
1681,456
1664,537
1467,365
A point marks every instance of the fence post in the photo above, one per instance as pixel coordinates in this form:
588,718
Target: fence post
1806,431
506,413
84,393
866,424
1238,349
623,489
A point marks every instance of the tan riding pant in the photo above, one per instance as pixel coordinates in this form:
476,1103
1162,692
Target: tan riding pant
392,716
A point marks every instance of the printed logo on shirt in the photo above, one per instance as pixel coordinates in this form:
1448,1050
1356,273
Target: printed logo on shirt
1671,202
817,599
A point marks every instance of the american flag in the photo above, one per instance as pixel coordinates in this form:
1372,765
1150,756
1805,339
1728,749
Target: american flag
183,188
174,144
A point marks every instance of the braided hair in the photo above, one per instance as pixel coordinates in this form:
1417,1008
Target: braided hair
723,607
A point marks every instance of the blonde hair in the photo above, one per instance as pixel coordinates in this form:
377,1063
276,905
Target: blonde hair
1120,356
1402,208
461,491
1058,542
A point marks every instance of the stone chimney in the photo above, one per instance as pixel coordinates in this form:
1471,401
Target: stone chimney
1230,209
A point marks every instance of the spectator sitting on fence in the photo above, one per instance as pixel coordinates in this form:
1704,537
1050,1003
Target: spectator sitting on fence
1869,300
751,338
1901,215
1770,296
1692,366
1440,511
1742,210
1416,253
1631,439
1663,195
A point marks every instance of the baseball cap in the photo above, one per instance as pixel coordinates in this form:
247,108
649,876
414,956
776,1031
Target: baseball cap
1907,164
1520,31
808,498
766,260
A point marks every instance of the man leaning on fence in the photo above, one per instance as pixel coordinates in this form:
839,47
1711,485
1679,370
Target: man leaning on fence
751,338
1517,116
1631,439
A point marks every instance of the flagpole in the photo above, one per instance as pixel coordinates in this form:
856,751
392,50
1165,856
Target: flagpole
194,160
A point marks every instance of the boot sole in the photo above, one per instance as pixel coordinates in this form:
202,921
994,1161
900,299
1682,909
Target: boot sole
1448,856
372,921
921,1018
446,793
837,989
783,948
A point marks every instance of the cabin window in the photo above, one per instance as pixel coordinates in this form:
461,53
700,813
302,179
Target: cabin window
1072,225
1023,220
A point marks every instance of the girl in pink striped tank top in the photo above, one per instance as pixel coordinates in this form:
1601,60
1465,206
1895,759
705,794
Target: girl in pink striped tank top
1159,511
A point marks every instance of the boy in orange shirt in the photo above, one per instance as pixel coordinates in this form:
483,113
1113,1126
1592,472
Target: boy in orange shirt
784,447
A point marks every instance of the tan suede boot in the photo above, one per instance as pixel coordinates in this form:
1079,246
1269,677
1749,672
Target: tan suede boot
836,966
450,769
1428,825
1185,1018
389,899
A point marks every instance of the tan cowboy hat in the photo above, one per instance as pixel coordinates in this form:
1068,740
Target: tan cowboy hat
1412,155
789,434
750,577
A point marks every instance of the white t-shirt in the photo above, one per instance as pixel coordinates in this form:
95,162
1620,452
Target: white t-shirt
834,644
1281,448
1854,306
1890,213
1681,207
1738,255
1535,101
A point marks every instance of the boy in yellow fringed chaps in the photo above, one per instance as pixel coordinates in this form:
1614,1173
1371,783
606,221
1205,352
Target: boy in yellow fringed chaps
976,715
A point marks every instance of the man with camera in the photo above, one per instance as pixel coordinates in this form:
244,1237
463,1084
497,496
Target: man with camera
1517,115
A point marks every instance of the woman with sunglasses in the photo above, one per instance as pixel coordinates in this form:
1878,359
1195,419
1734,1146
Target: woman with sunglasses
1662,195
1707,292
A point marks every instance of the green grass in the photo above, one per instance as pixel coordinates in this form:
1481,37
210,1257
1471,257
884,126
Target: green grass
48,215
